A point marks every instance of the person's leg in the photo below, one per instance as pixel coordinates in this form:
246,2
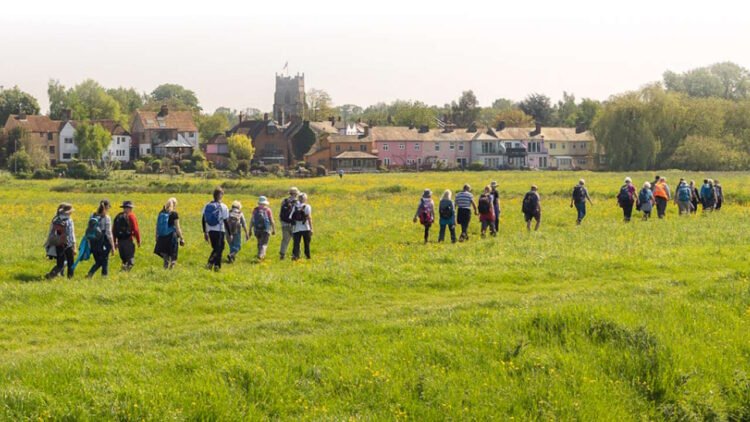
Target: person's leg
263,238
286,236
297,237
581,208
70,260
219,248
105,262
538,221
441,234
307,238
426,232
452,228
97,263
59,263
528,222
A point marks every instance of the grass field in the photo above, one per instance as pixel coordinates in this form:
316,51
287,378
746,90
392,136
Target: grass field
648,320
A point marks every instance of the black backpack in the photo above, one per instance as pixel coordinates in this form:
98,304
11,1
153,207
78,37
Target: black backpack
624,196
446,211
299,215
286,210
578,194
530,203
121,227
484,204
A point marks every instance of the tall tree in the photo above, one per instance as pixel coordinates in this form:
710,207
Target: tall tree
405,113
537,106
513,117
724,80
177,97
319,105
624,130
349,111
128,98
210,125
15,101
587,111
91,140
87,100
466,110
565,111
502,104
58,97
241,147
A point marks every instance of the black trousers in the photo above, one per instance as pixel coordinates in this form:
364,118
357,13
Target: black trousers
126,247
661,206
627,210
464,218
217,248
101,257
305,236
64,256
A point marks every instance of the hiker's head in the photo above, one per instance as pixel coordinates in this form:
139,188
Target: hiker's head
662,179
581,182
682,179
127,207
263,201
467,188
237,205
427,193
710,182
171,204
218,194
657,178
487,189
293,192
302,197
65,208
104,206
705,181
692,183
716,182
447,194
628,181
534,188
646,185
493,185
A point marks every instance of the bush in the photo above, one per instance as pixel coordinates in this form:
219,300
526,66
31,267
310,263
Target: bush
202,165
155,166
321,171
175,170
44,174
243,166
79,170
20,162
476,167
140,166
187,166
275,169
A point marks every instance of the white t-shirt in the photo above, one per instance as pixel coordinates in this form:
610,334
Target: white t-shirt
302,226
224,215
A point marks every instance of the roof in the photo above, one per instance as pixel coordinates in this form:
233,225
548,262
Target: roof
403,133
355,154
558,134
176,143
324,127
342,139
179,120
219,138
112,126
33,123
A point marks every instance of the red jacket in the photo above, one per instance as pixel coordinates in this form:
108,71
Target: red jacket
136,233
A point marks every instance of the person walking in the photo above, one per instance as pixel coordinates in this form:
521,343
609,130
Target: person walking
683,195
653,184
486,212
532,208
61,242
425,213
646,201
708,195
101,241
464,205
263,225
287,206
125,227
662,195
578,198
626,198
495,204
169,236
447,216
214,223
237,226
303,227
695,197
719,195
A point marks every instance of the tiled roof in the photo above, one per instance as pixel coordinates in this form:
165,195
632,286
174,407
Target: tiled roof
33,123
179,120
112,126
355,154
403,133
549,133
323,127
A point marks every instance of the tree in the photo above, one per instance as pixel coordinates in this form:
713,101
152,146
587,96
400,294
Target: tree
92,141
20,162
241,147
502,104
175,96
405,113
349,111
537,106
724,80
700,153
624,130
466,110
57,95
87,100
319,105
15,101
209,126
587,111
302,141
513,117
128,98
565,111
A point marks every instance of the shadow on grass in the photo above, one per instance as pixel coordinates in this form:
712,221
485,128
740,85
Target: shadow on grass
28,277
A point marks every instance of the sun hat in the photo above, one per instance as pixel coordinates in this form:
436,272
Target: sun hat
293,191
493,184
65,207
627,180
427,193
127,204
262,200
237,205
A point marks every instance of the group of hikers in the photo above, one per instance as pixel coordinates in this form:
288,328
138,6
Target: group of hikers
458,211
220,224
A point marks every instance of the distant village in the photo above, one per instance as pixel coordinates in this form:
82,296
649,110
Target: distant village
339,144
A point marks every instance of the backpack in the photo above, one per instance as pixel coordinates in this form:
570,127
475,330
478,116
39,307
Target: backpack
162,225
624,196
644,196
707,193
426,213
261,222
299,215
530,203
578,195
58,236
94,231
234,222
484,204
683,193
121,226
212,213
286,210
446,211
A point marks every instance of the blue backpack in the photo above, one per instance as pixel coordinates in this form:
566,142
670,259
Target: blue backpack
683,193
261,222
707,193
94,231
162,225
644,196
212,213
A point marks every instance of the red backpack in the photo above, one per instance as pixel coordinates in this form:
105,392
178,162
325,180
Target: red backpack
426,212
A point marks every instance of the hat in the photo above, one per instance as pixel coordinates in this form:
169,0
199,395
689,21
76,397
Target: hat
293,191
237,204
127,204
493,184
427,193
628,180
65,207
262,200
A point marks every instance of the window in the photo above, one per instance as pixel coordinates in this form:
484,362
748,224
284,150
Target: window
49,136
51,149
452,146
351,148
192,134
118,140
509,145
488,147
385,147
563,146
68,140
66,156
552,145
363,148
409,162
582,162
401,146
416,147
338,148
437,146
460,146
386,161
574,145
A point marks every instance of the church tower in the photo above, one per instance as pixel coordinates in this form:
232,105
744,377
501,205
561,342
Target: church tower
289,99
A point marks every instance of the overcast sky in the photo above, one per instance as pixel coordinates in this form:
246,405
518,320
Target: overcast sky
366,52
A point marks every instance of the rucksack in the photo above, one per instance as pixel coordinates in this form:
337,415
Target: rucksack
212,213
578,195
234,222
530,203
426,213
286,210
683,193
94,231
446,211
162,225
58,236
121,227
707,193
484,204
624,196
299,214
644,196
261,223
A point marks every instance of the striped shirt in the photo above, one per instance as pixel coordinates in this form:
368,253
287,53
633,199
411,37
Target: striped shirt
464,199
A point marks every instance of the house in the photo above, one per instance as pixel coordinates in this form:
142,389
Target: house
119,147
272,141
488,150
344,152
163,133
571,148
44,132
402,146
216,150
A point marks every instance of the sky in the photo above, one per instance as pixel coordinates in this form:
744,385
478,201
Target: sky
368,51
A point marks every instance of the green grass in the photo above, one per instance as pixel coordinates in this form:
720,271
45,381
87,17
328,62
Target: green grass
605,321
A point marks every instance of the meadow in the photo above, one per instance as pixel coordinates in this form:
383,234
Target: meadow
640,321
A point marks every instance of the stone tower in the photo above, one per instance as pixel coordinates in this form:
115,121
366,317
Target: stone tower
289,99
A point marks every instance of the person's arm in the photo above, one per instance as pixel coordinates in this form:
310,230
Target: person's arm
205,227
178,230
72,235
474,205
135,229
419,208
588,197
309,218
108,232
273,222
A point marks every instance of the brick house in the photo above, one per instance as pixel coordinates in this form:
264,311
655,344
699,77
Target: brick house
163,133
344,152
402,146
44,132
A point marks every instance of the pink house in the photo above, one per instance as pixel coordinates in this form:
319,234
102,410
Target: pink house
406,147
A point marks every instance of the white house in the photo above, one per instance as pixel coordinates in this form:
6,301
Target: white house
68,148
119,146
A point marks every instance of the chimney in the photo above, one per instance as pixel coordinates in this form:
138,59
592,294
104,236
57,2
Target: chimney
366,134
164,110
537,130
580,127
339,118
21,115
424,129
411,126
500,125
67,114
265,117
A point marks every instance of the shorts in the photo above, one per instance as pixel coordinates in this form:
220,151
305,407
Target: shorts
535,215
